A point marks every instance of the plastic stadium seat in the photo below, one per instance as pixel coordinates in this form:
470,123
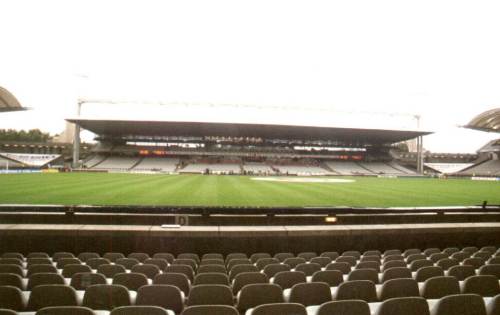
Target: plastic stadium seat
287,279
214,261
44,278
308,268
109,271
112,256
51,295
162,295
96,262
433,250
80,281
158,262
331,277
494,261
425,273
312,293
437,287
393,264
414,257
493,269
391,252
404,305
278,308
393,258
451,250
417,264
493,306
307,255
87,255
460,256
211,278
368,265
273,269
372,253
210,294
238,261
11,298
11,261
411,251
364,274
11,279
13,255
59,255
490,249
106,296
4,311
184,269
374,258
211,269
231,256
191,256
350,307
148,270
65,310
212,256
347,259
437,257
343,267
37,255
210,310
352,253
485,285
282,256
37,261
446,263
256,256
245,278
483,255
293,262
475,262
167,256
331,255
357,290
396,273
186,261
69,270
322,261
67,261
463,304
261,263
241,268
178,280
132,281
139,256
18,270
140,310
399,288
253,295
470,249
461,272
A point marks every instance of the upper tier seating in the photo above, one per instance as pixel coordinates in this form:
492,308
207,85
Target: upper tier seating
157,164
115,163
347,168
488,168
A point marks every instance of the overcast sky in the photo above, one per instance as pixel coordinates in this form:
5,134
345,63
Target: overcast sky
437,59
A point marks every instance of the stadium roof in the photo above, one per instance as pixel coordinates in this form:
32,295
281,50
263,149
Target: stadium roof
121,128
487,121
8,103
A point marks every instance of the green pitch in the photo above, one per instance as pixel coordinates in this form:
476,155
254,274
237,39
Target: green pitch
200,190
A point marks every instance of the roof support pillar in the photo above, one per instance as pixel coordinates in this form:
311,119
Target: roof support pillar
76,140
420,155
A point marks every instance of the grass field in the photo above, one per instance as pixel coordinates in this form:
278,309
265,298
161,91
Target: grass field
139,189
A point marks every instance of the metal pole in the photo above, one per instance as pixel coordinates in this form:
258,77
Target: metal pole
76,139
421,156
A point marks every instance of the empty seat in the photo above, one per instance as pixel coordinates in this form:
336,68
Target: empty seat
322,261
279,308
393,264
211,278
37,255
425,273
331,255
178,280
18,270
494,261
44,278
261,263
211,268
461,272
343,267
162,295
186,261
429,251
347,259
238,261
404,305
210,310
256,256
372,253
37,261
131,281
140,310
139,256
13,255
210,294
191,256
357,290
11,261
51,295
490,249
184,269
352,253
463,304
484,285
69,270
391,252
470,249
112,256
80,281
411,251
364,274
451,250
241,268
212,262
87,255
393,258
415,257
446,263
109,271
106,296
65,310
67,261
483,255
287,279
96,262
41,268
128,263
399,288
58,255
11,298
308,268
349,307
437,287
493,270
475,262
396,273
307,255
282,256
11,279
294,261
417,264
460,256
272,269
148,270
370,258
437,257
167,256
368,265
252,295
312,293
212,256
231,256
245,278
331,277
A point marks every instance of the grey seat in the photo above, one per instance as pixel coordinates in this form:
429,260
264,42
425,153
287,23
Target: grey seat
37,261
343,267
463,304
178,280
389,258
437,287
246,278
294,261
357,290
262,262
109,271
191,256
308,268
252,295
437,257
88,255
419,263
307,255
158,262
470,249
447,263
241,268
11,298
404,305
484,285
232,256
322,261
212,256
139,256
184,269
287,279
282,256
461,272
211,278
162,295
67,261
58,255
352,253
368,265
128,263
348,307
149,270
96,262
11,268
44,278
425,273
82,280
11,279
186,261
312,293
492,269
141,310
32,269
210,310
167,256
372,253
411,251
113,256
106,296
347,259
211,269
210,294
331,255
37,255
69,270
11,261
396,273
65,310
414,257
132,281
460,256
396,288
433,250
390,252
238,261
475,262
256,256
13,255
51,295
331,277
394,264
4,311
451,250
273,269
212,262
279,308
364,274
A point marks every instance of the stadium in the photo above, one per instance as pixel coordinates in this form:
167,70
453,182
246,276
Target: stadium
244,216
